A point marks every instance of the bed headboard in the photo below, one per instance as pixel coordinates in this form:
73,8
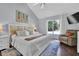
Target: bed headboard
20,27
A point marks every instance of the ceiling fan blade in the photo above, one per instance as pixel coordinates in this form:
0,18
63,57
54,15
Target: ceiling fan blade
35,4
42,5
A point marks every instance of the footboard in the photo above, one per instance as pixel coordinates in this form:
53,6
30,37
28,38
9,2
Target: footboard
31,48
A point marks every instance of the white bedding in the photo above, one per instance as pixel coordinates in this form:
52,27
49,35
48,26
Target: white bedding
30,48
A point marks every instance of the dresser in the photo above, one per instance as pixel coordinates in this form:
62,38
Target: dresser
4,42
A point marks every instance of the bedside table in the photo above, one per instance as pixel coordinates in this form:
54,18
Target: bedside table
4,42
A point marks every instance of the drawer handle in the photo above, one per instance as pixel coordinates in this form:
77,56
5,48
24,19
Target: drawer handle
1,41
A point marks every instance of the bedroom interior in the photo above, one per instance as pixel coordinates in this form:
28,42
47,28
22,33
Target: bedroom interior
24,29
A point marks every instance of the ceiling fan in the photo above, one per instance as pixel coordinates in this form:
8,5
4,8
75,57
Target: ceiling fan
42,5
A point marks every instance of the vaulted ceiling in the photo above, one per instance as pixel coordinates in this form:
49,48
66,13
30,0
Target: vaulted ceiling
52,9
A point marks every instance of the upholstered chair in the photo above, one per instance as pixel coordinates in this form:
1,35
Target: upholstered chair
70,38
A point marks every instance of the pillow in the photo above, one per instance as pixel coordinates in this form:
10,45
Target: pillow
26,33
35,32
69,34
22,33
14,35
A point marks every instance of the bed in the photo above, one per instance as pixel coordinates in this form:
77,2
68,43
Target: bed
29,45
30,48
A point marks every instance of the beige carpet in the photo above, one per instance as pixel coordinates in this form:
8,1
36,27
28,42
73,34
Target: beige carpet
10,52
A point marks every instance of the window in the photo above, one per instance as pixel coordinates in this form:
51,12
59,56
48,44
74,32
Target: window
53,26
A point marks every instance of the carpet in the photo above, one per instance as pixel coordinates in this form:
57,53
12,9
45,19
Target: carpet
51,49
10,52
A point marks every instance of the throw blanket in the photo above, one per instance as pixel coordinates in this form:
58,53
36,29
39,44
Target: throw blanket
31,38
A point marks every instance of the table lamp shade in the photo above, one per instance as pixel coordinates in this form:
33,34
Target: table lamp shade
1,28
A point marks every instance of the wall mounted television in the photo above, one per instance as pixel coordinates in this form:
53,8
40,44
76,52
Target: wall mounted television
74,18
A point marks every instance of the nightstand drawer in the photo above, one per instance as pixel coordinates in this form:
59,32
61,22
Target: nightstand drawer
1,47
4,40
4,45
1,40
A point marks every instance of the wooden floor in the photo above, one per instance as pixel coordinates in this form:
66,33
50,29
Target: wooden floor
62,50
65,50
0,53
59,49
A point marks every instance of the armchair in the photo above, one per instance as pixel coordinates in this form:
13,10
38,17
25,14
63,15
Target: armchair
70,38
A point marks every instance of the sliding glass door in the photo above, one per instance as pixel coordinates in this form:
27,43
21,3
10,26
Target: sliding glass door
53,27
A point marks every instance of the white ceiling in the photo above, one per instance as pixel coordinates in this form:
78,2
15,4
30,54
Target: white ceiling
52,9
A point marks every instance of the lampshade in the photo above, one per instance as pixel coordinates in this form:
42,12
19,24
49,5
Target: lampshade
1,28
34,27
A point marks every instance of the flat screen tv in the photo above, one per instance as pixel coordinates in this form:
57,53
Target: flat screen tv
74,18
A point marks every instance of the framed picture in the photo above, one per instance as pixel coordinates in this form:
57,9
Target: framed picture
26,18
18,16
21,17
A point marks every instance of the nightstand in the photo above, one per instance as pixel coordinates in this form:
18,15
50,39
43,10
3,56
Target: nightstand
4,42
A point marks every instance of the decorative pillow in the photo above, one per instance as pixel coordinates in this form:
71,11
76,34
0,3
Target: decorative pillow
69,34
14,35
26,33
22,33
35,32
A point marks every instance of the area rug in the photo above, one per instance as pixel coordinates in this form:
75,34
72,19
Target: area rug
52,49
10,52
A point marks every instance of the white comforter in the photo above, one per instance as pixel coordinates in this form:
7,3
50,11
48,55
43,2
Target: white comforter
30,48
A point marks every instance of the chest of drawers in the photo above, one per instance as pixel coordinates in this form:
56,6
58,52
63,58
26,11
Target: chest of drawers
4,42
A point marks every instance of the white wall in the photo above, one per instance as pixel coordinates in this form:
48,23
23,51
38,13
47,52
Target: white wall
43,23
74,26
63,24
8,12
